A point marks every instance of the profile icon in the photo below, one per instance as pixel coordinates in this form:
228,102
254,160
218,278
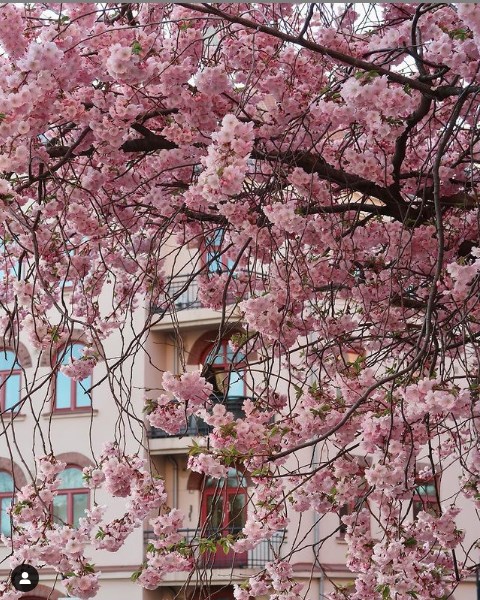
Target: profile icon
24,578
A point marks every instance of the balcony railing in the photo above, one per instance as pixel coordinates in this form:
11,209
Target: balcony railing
182,292
266,551
182,298
196,426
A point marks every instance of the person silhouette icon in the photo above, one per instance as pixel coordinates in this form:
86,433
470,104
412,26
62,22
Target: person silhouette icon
24,580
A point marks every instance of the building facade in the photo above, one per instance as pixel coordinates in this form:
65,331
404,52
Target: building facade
61,416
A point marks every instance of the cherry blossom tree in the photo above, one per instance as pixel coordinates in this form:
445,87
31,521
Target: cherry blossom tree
333,149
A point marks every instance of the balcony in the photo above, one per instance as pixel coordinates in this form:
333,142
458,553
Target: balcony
266,551
182,293
196,426
183,289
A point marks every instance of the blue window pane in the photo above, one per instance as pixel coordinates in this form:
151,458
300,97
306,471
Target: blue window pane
214,263
63,395
83,399
12,390
5,526
73,351
231,355
64,384
6,482
236,479
236,385
71,478
215,260
80,504
60,514
8,361
426,489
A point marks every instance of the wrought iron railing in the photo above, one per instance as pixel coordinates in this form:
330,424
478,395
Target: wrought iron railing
196,426
258,557
182,293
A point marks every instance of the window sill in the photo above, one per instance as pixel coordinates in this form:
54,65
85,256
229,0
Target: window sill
341,539
14,417
70,414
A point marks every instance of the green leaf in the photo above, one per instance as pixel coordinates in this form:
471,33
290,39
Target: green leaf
225,544
409,542
384,589
195,449
100,534
460,34
206,545
136,48
135,575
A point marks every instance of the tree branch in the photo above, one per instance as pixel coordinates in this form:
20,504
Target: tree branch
441,92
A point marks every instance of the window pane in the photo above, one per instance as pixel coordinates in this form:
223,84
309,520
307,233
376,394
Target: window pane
6,482
71,478
5,527
214,264
80,504
236,479
233,356
218,360
214,514
212,482
237,512
63,395
73,351
426,489
83,399
8,360
60,514
12,390
236,385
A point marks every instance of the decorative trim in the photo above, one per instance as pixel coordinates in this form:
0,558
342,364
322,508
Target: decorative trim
75,458
44,591
21,352
200,345
70,414
47,359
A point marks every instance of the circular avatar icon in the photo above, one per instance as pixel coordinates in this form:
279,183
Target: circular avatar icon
25,578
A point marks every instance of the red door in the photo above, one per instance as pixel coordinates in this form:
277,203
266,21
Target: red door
224,507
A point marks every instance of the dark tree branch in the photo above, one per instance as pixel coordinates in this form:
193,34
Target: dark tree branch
441,92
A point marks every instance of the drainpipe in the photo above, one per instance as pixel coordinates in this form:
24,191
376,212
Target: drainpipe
173,339
171,459
316,539
316,522
174,463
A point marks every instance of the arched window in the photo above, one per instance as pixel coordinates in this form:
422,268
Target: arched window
6,496
10,380
226,373
225,370
215,253
72,498
425,497
224,512
70,394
